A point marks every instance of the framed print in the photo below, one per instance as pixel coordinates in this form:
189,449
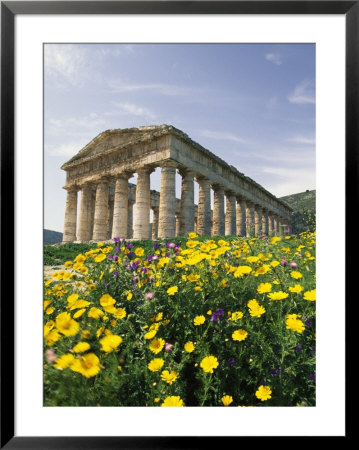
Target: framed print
98,90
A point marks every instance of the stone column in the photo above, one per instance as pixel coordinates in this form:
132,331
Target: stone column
120,208
250,219
187,202
101,211
110,218
281,226
271,224
241,216
258,220
230,214
289,226
130,221
167,216
204,207
218,210
84,228
265,222
178,223
143,199
69,234
93,201
276,231
155,223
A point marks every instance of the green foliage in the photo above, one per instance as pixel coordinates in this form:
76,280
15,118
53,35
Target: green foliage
304,215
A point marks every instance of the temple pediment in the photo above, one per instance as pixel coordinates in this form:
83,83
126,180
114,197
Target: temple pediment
117,139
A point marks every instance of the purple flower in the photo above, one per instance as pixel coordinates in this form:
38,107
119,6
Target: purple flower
155,245
143,270
116,239
213,318
219,312
298,349
106,284
275,372
308,323
115,273
286,231
110,257
232,362
168,347
136,279
149,296
284,262
293,265
170,245
312,377
129,245
299,255
130,255
115,257
133,266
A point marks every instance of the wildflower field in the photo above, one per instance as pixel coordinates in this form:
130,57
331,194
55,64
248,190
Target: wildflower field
194,322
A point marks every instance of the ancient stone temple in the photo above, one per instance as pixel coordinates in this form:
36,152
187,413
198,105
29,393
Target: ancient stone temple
101,173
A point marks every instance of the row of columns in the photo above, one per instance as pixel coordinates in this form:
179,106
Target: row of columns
242,217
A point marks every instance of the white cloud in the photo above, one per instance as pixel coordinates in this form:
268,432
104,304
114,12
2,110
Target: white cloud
117,86
284,181
68,150
76,63
66,62
131,108
222,135
303,93
116,50
274,58
90,121
302,140
287,156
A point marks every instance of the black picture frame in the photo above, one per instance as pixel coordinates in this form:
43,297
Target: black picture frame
9,9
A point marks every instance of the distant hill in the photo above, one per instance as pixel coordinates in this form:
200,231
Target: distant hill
303,203
52,237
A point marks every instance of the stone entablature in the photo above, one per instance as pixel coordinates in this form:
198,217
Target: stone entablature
104,166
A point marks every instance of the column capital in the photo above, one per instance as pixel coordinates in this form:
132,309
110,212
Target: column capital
102,179
125,175
72,188
87,184
229,193
202,179
217,187
168,163
145,169
184,172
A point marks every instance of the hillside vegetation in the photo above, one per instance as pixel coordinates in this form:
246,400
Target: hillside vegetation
304,216
52,237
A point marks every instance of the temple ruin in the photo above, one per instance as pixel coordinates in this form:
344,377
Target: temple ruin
102,169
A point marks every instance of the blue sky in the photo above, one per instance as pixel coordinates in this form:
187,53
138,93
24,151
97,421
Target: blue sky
252,105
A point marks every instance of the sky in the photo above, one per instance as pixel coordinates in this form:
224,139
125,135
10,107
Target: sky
253,105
